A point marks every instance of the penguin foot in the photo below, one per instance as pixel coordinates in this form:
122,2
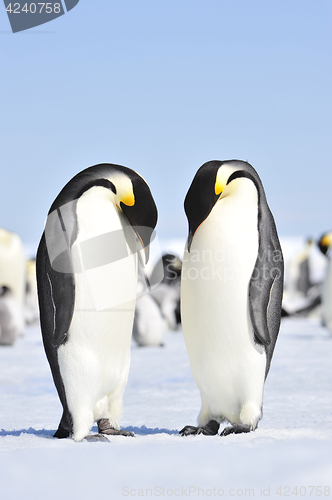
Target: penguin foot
62,433
104,427
209,429
94,438
236,429
65,428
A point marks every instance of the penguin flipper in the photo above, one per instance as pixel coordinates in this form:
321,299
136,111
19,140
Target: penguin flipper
266,286
56,294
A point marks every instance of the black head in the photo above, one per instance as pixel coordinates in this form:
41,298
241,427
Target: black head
325,242
141,211
211,182
201,197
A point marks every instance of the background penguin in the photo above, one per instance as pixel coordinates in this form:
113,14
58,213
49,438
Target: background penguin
157,309
325,245
172,269
31,294
11,318
167,294
231,294
87,277
299,268
168,299
149,324
12,278
302,295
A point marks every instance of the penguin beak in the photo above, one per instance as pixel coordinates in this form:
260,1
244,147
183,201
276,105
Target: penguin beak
191,236
189,240
219,187
128,199
141,211
144,235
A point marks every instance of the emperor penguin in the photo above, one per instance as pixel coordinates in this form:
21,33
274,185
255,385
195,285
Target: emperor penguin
86,269
167,293
298,276
149,324
11,318
231,294
12,280
31,294
325,245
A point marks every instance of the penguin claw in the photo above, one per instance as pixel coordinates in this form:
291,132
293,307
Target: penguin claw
188,430
210,429
117,432
235,429
104,427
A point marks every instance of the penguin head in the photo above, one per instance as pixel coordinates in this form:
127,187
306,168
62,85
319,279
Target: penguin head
325,242
133,197
214,181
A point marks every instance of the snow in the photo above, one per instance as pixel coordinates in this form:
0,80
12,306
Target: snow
291,447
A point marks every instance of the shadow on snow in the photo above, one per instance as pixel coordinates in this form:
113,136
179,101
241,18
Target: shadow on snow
47,433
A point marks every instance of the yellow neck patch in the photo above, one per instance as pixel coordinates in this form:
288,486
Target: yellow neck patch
218,187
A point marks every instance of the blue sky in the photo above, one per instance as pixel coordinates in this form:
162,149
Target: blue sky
162,86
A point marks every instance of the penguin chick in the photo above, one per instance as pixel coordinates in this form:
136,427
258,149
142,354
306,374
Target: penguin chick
149,325
168,297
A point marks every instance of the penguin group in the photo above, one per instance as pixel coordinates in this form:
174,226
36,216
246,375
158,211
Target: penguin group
91,266
93,290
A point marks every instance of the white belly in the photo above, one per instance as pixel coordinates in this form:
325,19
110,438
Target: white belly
228,367
94,362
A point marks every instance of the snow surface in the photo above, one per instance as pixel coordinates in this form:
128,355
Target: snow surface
292,446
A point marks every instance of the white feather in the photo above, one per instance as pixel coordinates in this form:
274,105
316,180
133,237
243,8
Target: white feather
94,362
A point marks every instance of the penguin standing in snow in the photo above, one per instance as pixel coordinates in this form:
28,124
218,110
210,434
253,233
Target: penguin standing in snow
87,276
11,318
231,294
325,246
149,325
